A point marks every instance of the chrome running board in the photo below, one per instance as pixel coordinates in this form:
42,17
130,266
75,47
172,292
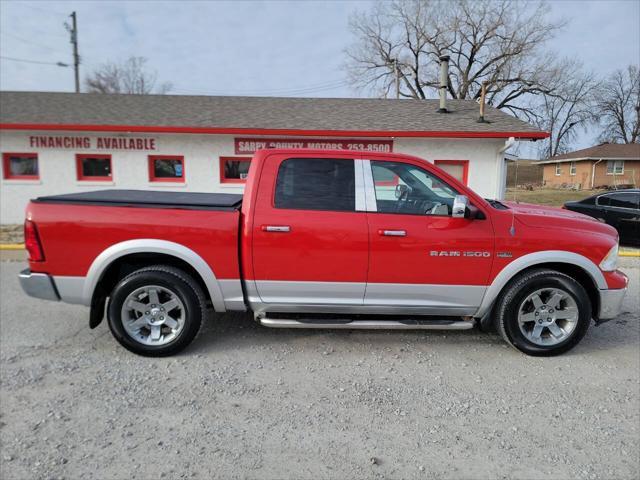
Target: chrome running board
370,324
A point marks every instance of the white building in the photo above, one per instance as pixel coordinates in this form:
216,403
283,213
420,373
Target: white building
53,143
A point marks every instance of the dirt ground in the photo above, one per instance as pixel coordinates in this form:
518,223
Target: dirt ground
245,401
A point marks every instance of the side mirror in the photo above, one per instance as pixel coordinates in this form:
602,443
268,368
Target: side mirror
460,205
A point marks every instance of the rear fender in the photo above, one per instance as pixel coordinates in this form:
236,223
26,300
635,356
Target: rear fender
107,257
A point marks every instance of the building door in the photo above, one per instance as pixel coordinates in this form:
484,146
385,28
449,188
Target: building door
419,255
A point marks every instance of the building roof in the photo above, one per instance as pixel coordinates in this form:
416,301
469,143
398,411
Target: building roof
256,115
604,151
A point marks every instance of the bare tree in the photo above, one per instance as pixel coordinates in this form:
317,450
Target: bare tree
500,42
130,76
568,110
618,107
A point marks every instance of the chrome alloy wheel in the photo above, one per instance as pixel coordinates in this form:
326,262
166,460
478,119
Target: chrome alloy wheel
153,315
548,316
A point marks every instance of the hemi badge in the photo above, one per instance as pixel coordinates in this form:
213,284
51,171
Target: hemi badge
504,255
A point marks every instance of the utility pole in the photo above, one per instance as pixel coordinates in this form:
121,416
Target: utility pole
73,30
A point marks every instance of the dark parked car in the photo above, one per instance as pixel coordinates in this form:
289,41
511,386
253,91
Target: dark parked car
620,209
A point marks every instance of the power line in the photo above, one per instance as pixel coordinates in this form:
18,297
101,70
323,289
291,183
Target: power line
24,60
30,42
43,10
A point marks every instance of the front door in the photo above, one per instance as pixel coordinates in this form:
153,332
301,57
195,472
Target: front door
419,255
310,245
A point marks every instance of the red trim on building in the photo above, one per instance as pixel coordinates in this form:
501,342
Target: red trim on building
6,168
463,163
268,131
82,178
152,172
223,178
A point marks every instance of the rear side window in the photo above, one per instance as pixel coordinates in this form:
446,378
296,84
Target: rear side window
316,184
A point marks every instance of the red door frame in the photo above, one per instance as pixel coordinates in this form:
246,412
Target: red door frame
463,163
152,176
7,175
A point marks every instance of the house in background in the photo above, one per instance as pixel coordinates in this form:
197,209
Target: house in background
604,165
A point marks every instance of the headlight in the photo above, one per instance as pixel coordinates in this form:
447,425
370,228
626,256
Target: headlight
610,262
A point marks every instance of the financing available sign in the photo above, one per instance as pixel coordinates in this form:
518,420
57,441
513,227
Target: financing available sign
248,146
91,143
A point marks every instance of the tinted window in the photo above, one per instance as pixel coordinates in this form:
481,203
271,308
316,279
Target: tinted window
316,184
625,200
415,191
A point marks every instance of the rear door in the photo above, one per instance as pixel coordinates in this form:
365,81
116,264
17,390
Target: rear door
310,245
420,256
623,213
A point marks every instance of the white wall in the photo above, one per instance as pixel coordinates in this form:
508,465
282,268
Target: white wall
201,152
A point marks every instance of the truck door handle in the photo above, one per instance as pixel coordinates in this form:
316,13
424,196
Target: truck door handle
276,228
392,233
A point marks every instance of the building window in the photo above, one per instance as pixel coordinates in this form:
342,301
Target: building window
94,167
558,169
234,169
20,166
615,167
166,168
458,169
572,168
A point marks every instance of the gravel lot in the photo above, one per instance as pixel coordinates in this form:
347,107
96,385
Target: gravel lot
249,402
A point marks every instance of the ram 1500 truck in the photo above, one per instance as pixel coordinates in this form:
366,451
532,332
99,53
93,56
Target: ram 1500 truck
325,239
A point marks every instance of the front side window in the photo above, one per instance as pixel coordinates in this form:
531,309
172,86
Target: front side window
316,184
94,167
572,168
615,167
558,169
18,166
417,192
166,168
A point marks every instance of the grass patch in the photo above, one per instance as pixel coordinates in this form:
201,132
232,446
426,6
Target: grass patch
548,196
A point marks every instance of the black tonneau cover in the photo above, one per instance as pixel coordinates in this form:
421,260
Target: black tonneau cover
149,199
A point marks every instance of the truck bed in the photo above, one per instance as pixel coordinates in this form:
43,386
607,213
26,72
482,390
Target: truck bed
75,228
149,199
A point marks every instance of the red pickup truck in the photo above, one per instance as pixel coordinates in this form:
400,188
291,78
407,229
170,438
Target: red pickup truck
325,239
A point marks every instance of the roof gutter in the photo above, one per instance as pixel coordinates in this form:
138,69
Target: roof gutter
270,131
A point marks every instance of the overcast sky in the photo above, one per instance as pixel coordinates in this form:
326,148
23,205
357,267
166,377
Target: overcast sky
277,48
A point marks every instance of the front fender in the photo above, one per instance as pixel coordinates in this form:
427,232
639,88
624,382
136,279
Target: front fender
534,259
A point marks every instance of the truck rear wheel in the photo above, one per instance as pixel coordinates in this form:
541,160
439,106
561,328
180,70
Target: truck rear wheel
156,311
543,313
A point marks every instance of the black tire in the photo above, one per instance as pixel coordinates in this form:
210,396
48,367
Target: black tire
178,282
515,294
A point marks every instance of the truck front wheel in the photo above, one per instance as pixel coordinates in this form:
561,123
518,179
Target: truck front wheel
156,311
543,313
